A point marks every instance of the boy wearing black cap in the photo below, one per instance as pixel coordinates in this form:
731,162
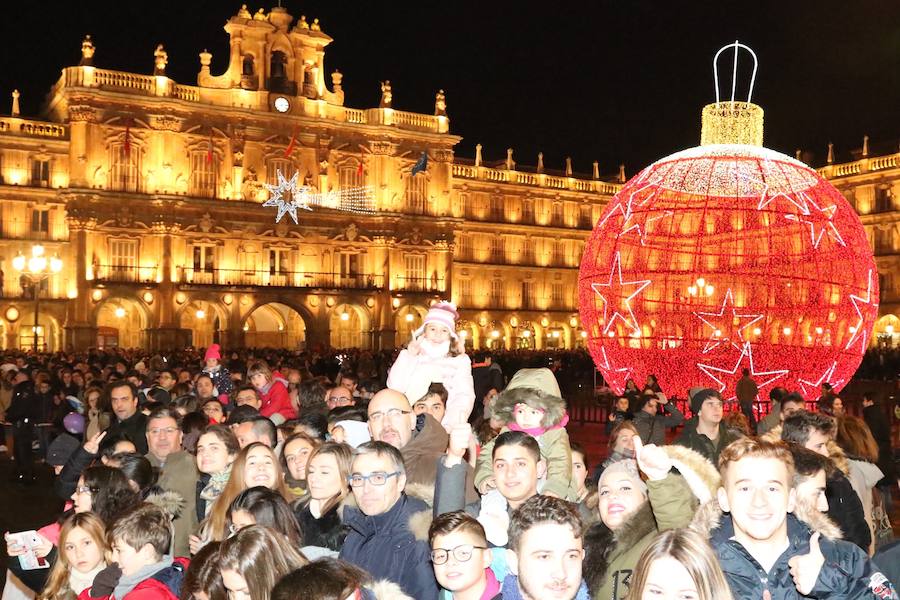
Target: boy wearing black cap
705,432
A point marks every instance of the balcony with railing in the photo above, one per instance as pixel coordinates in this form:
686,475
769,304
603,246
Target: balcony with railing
419,284
287,279
125,274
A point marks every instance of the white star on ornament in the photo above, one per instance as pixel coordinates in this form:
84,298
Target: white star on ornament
747,350
641,228
629,321
615,378
627,209
715,340
765,199
826,227
858,330
279,194
825,377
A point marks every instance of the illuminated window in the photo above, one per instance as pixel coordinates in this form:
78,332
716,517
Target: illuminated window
123,260
350,176
204,259
276,165
528,298
204,174
466,297
415,271
464,247
497,213
40,172
278,261
125,168
558,295
415,193
40,221
497,292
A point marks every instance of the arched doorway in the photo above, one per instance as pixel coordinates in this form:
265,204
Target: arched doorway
275,325
120,323
205,320
409,318
887,331
348,324
47,331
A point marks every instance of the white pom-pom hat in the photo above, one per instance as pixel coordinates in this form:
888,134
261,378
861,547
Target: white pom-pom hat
441,313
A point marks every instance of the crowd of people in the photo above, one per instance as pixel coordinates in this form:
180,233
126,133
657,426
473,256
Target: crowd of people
430,474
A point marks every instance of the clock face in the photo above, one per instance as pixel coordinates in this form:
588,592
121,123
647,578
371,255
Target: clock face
282,104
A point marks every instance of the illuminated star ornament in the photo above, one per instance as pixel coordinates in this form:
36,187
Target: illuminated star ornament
286,196
615,377
858,331
815,219
722,324
825,377
726,377
616,290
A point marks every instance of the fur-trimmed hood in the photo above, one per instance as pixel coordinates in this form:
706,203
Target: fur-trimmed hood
835,452
554,407
171,503
601,542
700,474
383,590
708,518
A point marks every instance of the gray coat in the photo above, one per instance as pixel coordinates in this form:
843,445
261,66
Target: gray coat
652,428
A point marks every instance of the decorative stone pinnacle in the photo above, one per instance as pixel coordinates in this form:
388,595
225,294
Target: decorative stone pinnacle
15,103
87,52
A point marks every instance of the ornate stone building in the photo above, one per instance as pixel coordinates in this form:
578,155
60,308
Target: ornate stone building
151,193
872,186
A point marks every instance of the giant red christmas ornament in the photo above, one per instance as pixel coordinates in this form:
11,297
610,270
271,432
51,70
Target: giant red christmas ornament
726,257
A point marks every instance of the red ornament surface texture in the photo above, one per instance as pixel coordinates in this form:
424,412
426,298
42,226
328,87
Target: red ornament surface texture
721,258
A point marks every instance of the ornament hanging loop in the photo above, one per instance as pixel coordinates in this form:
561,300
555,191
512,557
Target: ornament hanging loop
737,47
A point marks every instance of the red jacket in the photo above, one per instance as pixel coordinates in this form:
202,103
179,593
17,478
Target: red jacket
164,585
277,400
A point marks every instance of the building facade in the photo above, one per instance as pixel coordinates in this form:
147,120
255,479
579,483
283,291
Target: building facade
151,193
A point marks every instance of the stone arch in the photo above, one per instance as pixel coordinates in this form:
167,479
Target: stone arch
887,330
49,332
349,326
206,320
409,317
275,325
121,322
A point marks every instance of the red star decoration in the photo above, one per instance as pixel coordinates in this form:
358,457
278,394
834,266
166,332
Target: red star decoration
821,218
730,378
723,322
617,290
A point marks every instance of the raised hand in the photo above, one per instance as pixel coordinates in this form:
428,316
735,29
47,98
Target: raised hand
487,485
460,435
414,347
805,568
652,460
92,446
13,548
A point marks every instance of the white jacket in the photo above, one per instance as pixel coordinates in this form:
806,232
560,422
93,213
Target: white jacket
411,375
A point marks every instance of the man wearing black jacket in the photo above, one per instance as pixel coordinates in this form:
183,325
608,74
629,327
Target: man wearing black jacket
129,421
813,432
24,412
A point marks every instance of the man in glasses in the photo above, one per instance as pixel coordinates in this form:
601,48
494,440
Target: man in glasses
178,470
382,537
421,439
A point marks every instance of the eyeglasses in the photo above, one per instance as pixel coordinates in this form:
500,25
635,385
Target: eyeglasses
392,413
461,553
161,430
82,489
377,478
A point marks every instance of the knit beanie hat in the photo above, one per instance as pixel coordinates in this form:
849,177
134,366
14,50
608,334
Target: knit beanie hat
628,468
214,351
441,313
701,396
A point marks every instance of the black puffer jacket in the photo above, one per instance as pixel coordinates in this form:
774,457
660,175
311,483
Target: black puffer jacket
328,531
846,510
847,574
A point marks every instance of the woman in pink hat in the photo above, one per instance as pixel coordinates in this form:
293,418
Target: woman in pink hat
218,373
436,355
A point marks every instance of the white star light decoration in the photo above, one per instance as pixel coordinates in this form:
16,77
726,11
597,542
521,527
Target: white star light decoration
747,351
719,334
826,225
615,378
858,331
825,377
630,320
288,197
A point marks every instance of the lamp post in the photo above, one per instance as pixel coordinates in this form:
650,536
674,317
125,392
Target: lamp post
37,269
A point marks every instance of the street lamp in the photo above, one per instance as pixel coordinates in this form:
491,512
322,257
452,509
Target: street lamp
37,269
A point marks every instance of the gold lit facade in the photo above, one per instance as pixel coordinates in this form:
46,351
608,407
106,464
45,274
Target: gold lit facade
872,186
151,193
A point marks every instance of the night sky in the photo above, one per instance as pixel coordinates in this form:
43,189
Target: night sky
615,81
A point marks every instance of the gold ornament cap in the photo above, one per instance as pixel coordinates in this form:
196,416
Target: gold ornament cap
732,121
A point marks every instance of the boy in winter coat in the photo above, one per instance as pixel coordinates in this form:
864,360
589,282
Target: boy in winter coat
142,568
766,551
436,355
220,376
